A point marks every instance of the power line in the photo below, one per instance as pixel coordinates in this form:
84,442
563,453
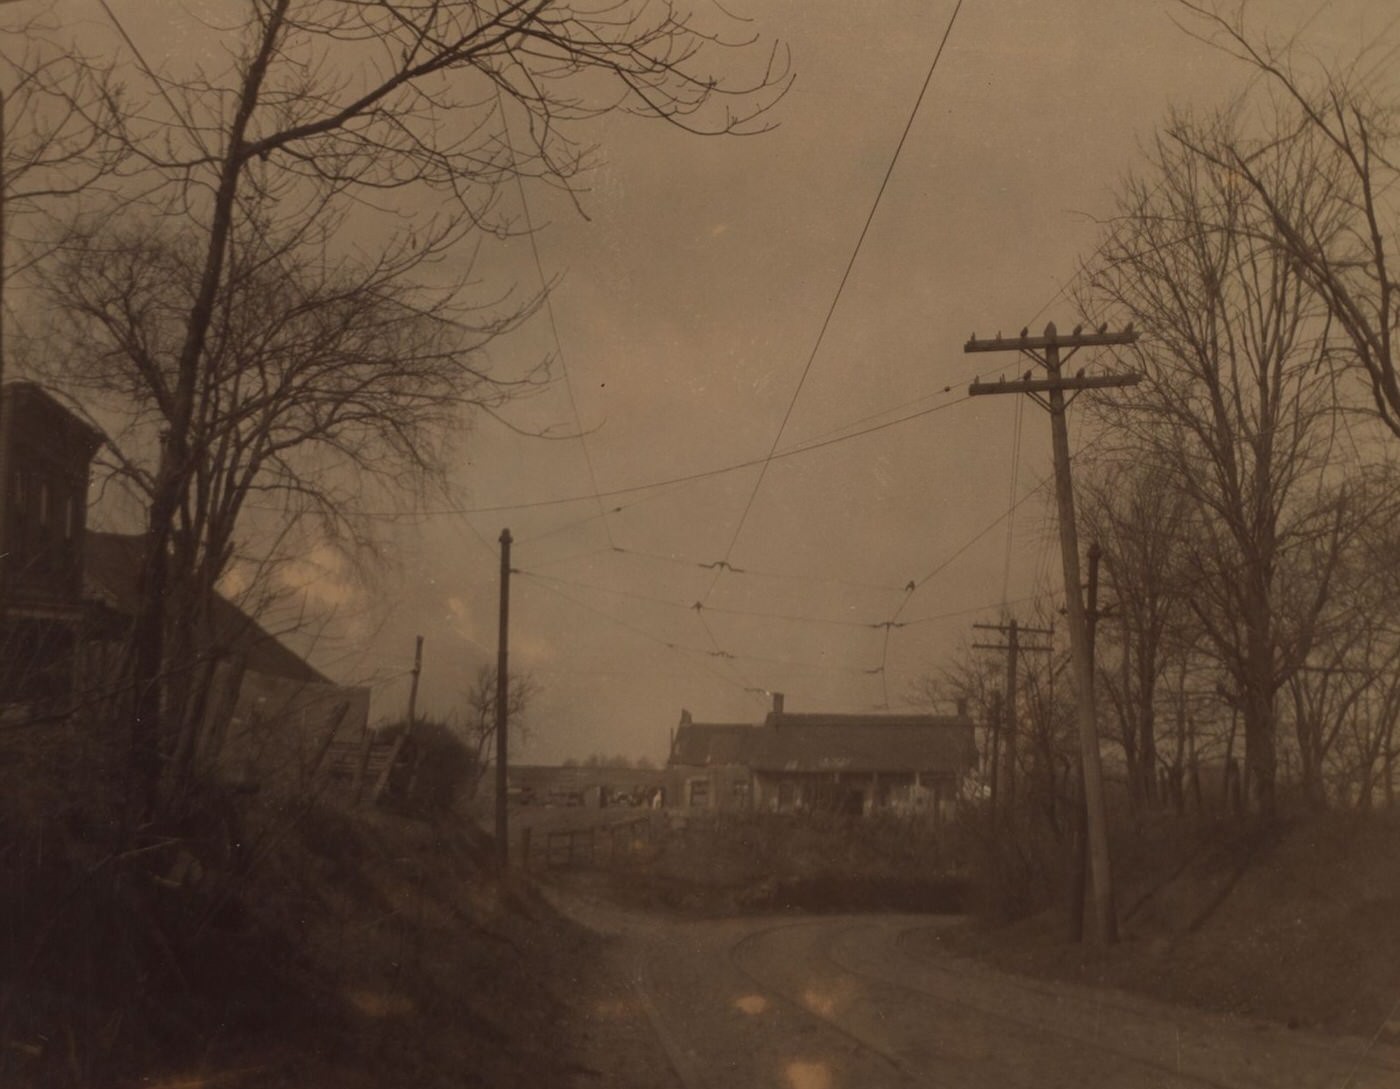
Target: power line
697,606
646,635
685,478
840,289
159,84
553,321
685,561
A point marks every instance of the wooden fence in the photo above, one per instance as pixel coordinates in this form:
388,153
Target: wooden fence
609,844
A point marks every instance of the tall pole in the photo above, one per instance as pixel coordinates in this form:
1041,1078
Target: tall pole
1013,663
1004,714
1094,803
1049,392
994,754
413,685
1079,849
382,784
502,707
4,185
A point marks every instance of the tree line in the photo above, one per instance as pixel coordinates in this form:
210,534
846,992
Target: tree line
1243,496
253,265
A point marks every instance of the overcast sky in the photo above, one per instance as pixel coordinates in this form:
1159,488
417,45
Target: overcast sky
689,304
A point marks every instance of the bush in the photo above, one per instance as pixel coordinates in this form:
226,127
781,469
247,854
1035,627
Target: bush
434,768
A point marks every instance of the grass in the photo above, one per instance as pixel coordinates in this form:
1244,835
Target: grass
265,943
1296,925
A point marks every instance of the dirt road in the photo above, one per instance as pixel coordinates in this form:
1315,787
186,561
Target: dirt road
856,1003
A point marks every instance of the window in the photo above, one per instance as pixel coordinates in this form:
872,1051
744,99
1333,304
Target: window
43,503
699,791
70,518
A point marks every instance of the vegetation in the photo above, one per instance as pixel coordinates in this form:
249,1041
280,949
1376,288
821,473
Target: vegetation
1240,500
244,348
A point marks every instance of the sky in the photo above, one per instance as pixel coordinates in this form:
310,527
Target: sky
687,321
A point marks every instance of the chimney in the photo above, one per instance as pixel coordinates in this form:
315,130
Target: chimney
777,703
685,717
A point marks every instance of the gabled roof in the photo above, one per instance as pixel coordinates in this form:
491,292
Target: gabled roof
864,743
830,742
710,744
61,428
112,573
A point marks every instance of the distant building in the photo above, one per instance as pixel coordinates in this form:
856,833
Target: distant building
68,598
844,763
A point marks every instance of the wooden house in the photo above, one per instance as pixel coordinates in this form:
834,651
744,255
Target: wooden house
853,764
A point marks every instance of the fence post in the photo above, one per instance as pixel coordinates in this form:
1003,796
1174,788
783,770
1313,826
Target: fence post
525,849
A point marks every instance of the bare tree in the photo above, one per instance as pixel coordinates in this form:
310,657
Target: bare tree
1137,514
479,714
1344,698
317,379
1238,404
323,106
56,112
1327,188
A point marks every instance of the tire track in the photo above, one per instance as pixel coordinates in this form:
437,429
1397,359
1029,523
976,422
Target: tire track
1049,1047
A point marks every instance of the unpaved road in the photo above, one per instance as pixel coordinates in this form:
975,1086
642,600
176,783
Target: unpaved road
853,1003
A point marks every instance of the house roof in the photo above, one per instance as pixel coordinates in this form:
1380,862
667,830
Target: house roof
830,742
112,573
60,426
706,744
864,743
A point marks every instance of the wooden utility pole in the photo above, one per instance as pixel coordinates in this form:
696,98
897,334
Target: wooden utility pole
1012,648
4,185
1079,846
1049,392
994,752
382,784
503,708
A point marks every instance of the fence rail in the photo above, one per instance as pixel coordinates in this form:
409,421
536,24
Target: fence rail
610,843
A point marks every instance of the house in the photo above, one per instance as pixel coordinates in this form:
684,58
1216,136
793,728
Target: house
711,764
45,454
267,707
844,763
68,597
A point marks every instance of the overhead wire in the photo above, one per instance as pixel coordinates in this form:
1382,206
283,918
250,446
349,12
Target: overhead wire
840,290
683,478
686,561
697,606
553,320
676,647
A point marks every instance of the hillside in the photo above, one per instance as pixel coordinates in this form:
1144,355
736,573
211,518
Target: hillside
1300,925
308,946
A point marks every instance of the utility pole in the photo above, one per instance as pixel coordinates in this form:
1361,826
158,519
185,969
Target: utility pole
413,685
4,185
994,752
1012,648
1079,846
503,708
1049,393
382,784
